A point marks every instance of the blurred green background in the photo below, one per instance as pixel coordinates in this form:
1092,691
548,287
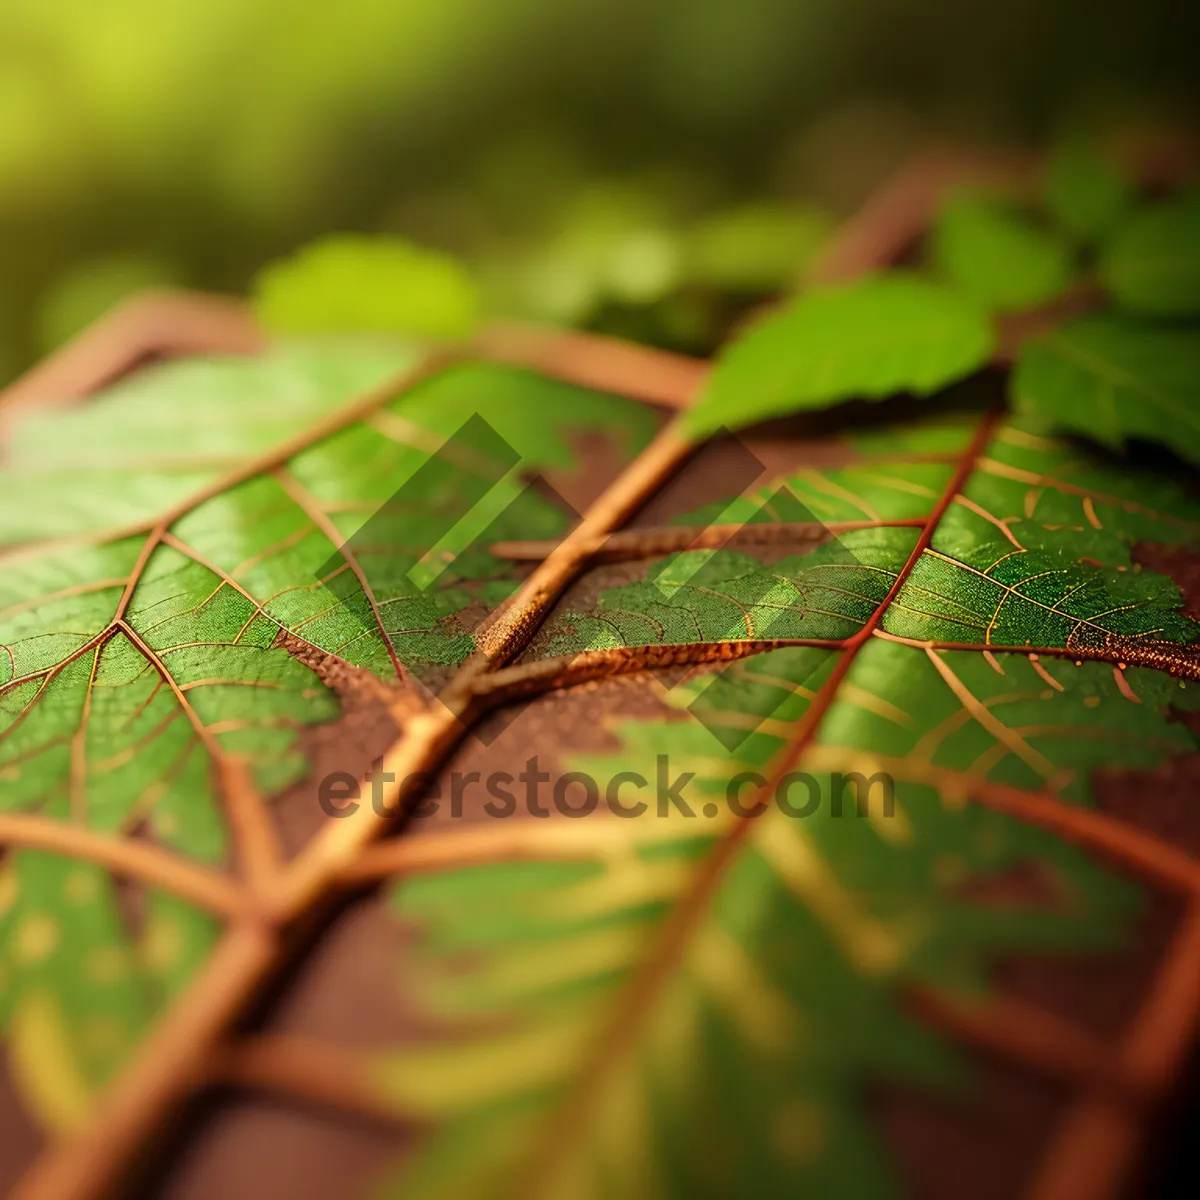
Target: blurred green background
561,145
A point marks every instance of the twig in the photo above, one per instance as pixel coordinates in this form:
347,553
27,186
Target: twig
306,1069
133,859
604,364
1018,1032
629,544
570,670
150,324
900,211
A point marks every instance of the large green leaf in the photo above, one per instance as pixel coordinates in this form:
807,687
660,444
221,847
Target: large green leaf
1152,263
1112,379
176,611
691,1000
886,334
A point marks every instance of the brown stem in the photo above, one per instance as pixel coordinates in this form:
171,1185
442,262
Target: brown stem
1181,659
306,1069
898,212
1014,1031
570,670
133,859
630,544
151,324
591,361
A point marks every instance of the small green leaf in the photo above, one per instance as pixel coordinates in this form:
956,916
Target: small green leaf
352,283
1112,379
1085,192
873,338
756,247
997,255
1152,264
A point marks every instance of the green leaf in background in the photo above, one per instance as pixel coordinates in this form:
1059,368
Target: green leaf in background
359,284
1152,263
1086,193
885,334
755,247
1112,379
997,255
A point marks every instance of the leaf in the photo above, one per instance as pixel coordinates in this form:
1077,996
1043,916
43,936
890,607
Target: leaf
1085,191
997,256
1113,379
777,1008
1152,262
886,334
754,247
174,597
358,284
989,578
691,998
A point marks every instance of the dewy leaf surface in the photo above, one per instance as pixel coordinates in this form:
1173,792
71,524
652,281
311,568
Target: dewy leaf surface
890,333
1035,552
148,680
1112,379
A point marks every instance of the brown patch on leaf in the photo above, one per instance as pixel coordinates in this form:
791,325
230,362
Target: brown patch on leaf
1178,564
1027,885
372,715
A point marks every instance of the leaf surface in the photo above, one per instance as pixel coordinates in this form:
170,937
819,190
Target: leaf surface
166,640
1152,263
358,284
686,997
886,334
997,255
1113,379
1085,192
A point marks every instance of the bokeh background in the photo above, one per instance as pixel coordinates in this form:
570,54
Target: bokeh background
586,155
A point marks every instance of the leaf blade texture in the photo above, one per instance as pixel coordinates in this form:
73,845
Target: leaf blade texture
886,334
